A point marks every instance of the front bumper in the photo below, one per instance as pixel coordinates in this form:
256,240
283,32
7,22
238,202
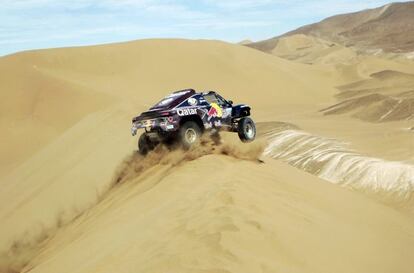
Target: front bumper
134,129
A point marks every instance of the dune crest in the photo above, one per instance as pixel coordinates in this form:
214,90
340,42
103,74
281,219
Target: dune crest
332,160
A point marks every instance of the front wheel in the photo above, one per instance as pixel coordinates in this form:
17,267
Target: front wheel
189,134
246,130
145,144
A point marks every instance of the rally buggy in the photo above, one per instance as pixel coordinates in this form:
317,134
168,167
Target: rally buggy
186,114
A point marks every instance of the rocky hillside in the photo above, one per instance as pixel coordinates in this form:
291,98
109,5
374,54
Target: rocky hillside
389,28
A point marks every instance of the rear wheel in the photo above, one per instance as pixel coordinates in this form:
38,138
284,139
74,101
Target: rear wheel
246,130
145,144
189,134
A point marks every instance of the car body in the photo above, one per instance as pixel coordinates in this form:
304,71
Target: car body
208,110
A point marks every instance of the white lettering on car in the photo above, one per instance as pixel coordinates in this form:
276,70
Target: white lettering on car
186,112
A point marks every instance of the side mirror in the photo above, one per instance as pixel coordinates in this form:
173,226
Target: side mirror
231,102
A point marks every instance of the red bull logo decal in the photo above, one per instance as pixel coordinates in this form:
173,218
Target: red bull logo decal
215,111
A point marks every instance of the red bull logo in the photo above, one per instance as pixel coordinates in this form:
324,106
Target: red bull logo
215,111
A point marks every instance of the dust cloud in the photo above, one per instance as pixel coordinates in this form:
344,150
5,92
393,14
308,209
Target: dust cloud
135,163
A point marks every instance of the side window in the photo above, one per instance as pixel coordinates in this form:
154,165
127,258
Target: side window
211,98
221,101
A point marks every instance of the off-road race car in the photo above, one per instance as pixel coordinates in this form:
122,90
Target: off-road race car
185,115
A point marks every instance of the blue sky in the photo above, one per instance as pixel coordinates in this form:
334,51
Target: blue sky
33,24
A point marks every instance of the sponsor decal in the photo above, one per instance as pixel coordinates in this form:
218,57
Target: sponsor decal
227,112
170,119
210,124
215,111
192,101
187,112
203,111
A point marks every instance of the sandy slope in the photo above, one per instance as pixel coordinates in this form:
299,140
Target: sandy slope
387,96
220,214
66,116
35,108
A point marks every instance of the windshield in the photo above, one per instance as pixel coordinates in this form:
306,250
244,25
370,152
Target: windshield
171,100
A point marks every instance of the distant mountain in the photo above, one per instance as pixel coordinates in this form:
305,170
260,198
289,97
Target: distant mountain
245,42
389,28
311,50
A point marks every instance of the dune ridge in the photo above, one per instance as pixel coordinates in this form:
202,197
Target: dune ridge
330,159
95,91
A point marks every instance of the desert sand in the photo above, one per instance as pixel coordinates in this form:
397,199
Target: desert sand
327,187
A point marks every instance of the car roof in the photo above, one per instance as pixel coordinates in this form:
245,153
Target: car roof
189,90
208,92
192,91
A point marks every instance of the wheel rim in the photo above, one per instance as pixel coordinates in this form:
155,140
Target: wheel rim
249,131
190,135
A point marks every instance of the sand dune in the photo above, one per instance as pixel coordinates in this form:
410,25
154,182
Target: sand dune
66,115
71,167
94,77
372,88
35,107
376,107
386,96
169,219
